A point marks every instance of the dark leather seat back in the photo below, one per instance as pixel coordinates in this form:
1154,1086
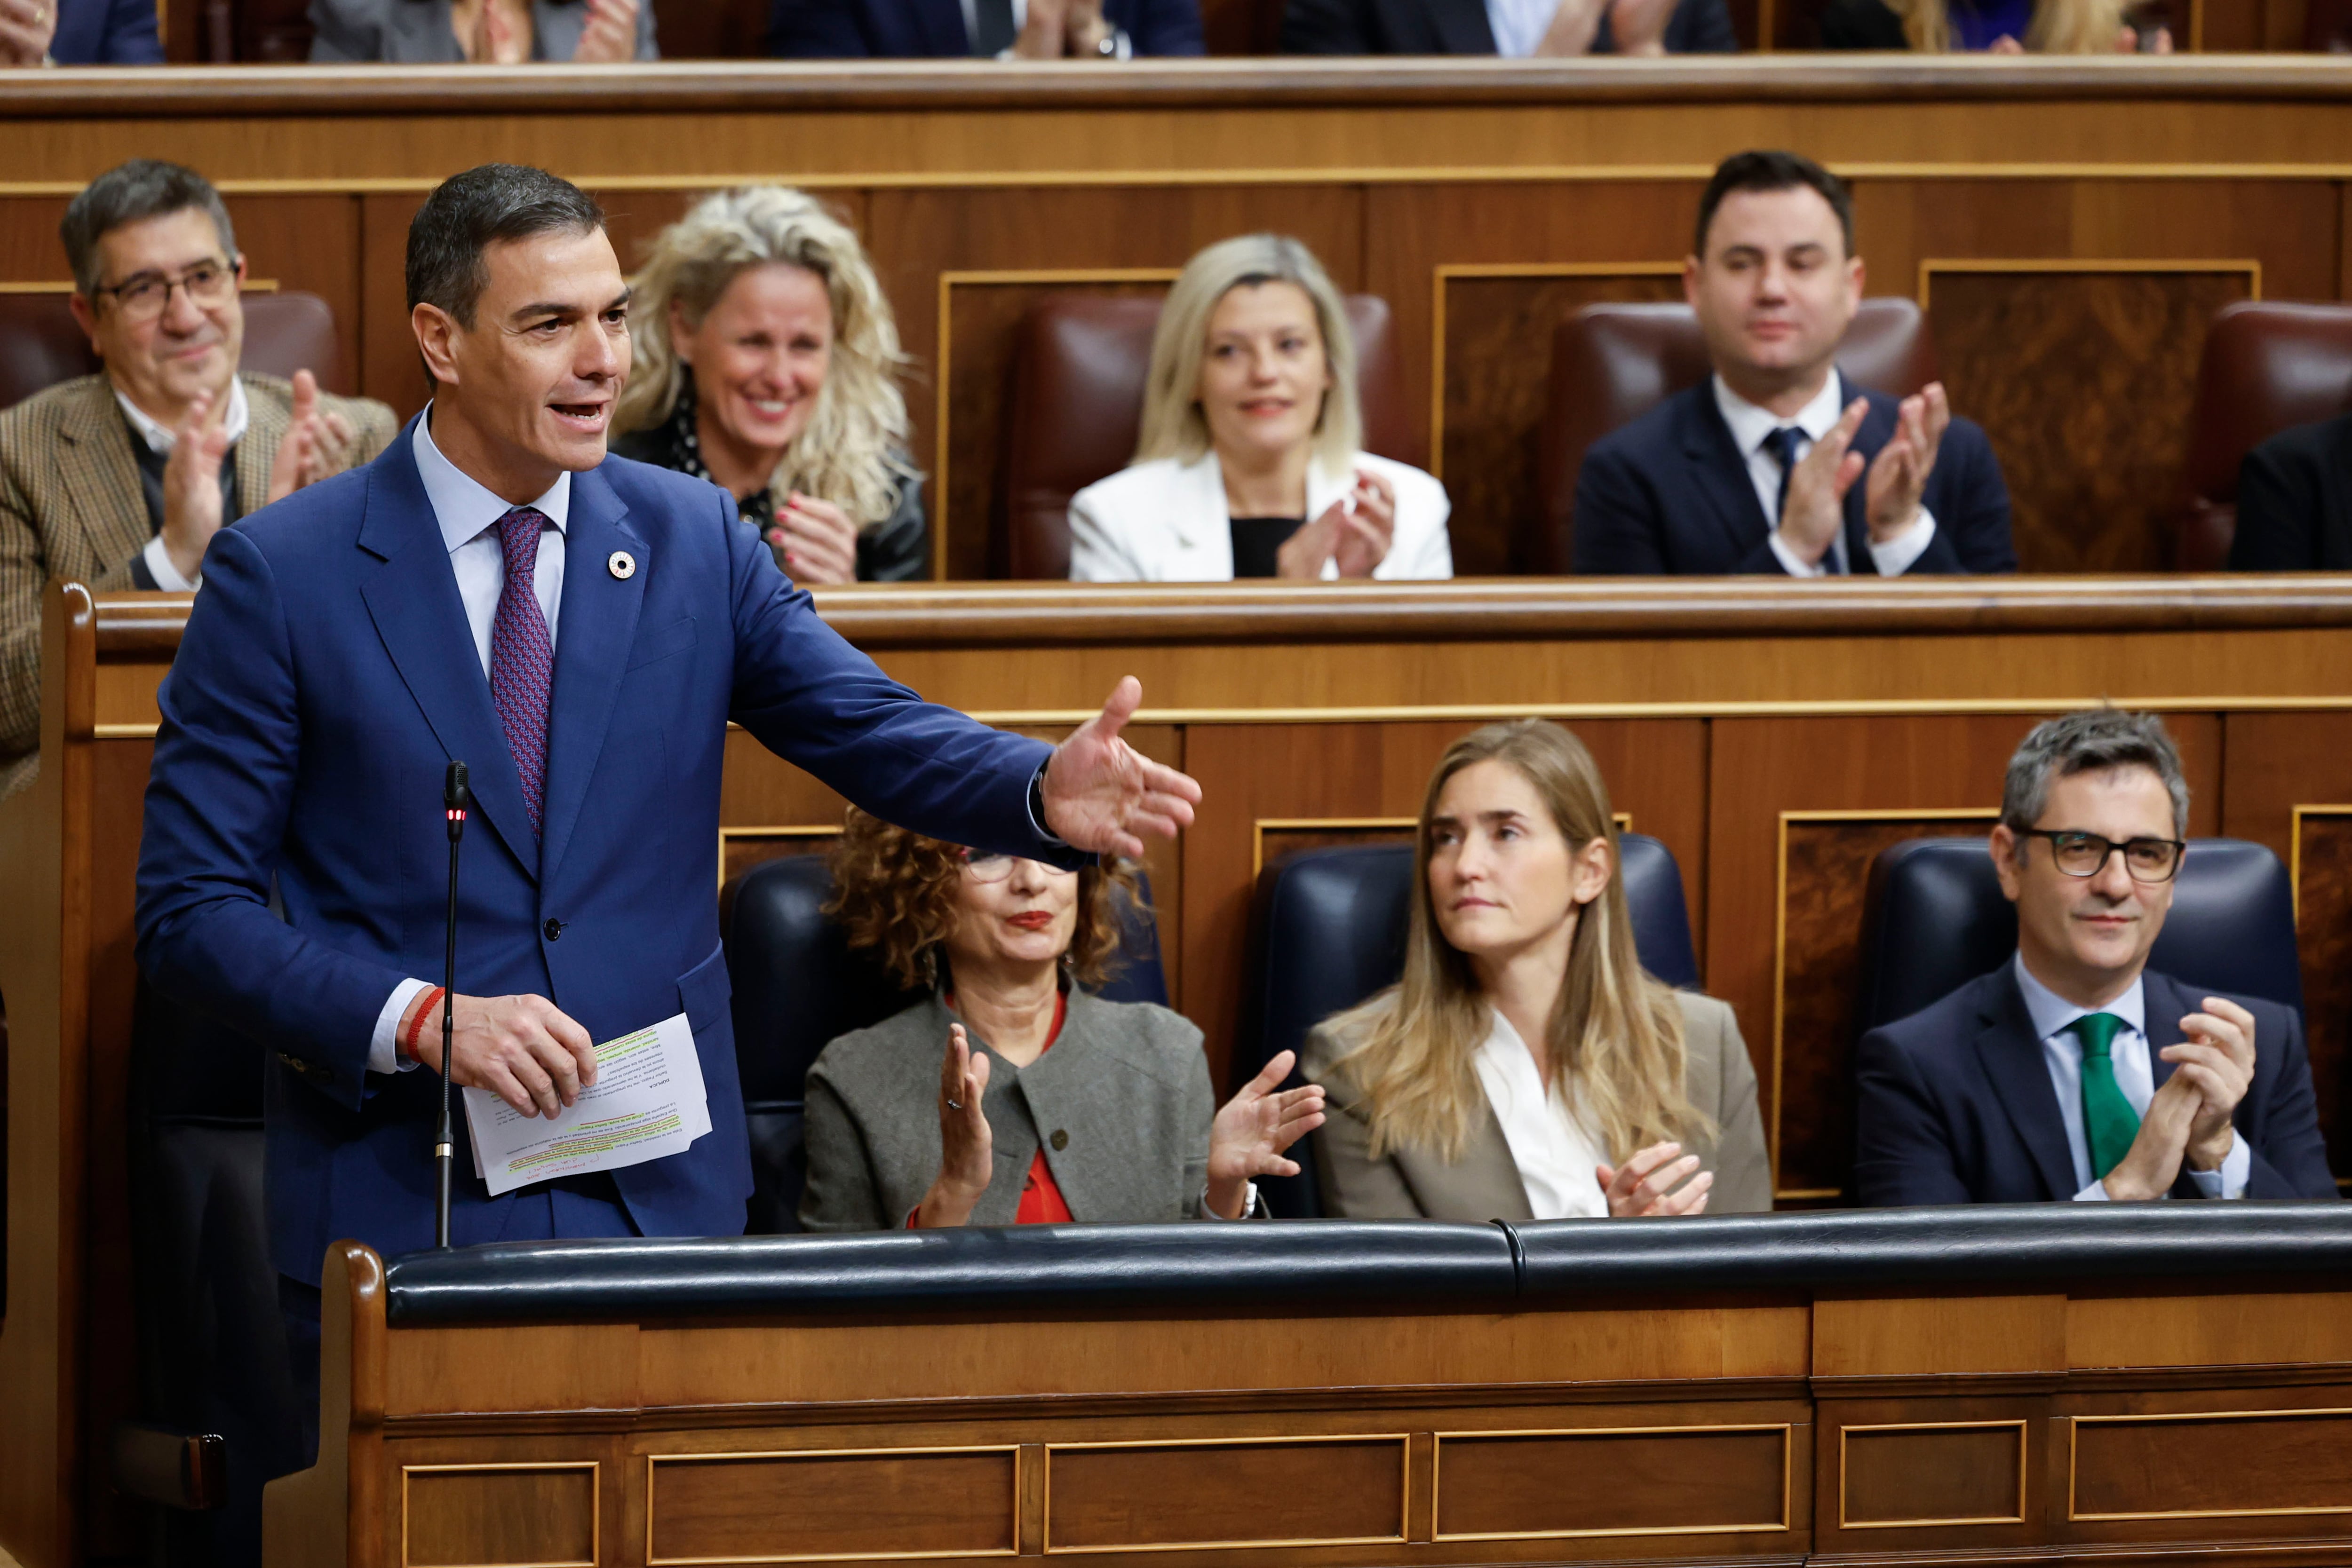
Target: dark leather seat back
1611,364
1935,919
41,346
2267,368
1078,369
798,986
1332,930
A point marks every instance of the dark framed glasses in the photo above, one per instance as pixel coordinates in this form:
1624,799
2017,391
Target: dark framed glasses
2085,854
147,294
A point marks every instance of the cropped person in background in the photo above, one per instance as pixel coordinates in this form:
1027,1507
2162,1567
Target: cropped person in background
79,33
1775,463
767,362
482,32
1250,460
2295,501
984,29
1014,1095
2075,1070
1516,30
1526,1067
120,480
1991,26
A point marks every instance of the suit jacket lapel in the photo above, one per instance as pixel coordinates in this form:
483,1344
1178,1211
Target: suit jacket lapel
2162,1007
1877,429
595,627
1075,1090
1719,469
99,474
266,423
2011,1058
940,24
413,599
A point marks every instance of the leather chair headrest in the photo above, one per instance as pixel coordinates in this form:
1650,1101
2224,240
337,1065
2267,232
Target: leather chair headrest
2267,368
1611,364
41,346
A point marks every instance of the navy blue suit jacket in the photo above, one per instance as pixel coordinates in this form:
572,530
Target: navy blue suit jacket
1669,496
1954,1104
106,33
933,29
326,679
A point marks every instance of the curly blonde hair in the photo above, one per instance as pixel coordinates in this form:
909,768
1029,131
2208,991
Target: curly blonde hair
895,893
849,454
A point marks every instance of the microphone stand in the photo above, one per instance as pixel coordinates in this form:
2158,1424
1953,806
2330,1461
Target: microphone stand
454,798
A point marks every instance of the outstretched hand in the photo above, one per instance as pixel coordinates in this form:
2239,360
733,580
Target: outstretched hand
1101,794
1814,514
966,1146
1249,1136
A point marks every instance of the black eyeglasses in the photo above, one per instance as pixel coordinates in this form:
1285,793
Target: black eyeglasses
145,296
2085,854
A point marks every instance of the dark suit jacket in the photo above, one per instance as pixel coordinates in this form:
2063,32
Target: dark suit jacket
1955,1105
1669,496
1459,27
106,33
2295,501
328,676
933,29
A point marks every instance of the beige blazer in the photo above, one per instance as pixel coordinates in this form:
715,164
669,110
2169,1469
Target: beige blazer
70,506
1484,1183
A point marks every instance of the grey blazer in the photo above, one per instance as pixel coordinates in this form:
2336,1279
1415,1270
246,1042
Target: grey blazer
1121,1106
1484,1183
417,32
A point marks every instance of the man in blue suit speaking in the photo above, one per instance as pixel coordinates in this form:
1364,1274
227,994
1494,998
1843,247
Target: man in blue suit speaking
579,630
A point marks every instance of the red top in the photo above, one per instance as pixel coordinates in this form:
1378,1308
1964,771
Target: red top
1041,1200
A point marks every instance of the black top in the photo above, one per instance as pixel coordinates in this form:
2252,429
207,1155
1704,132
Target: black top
898,551
1460,28
2295,501
1258,541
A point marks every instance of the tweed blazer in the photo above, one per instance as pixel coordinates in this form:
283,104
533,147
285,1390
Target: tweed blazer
1121,1106
1484,1183
70,506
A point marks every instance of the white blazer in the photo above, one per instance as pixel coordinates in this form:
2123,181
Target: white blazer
1166,521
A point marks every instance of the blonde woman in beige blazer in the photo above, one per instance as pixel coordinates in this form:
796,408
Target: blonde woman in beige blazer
1525,1067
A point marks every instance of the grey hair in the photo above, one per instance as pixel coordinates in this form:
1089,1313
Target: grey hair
133,192
2096,740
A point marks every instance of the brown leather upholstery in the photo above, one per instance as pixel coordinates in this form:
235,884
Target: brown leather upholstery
40,346
1079,361
2267,368
1613,363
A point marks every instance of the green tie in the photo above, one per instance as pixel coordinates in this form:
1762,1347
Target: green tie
2108,1121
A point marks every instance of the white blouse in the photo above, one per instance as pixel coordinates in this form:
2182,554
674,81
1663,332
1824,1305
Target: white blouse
1555,1151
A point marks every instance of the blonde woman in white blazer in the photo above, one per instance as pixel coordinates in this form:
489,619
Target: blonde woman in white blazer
1250,462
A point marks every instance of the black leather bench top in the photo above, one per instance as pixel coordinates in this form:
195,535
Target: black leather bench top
1339,1264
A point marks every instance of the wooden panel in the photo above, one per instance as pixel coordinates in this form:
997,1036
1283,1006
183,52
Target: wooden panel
2056,365
2286,1462
740,848
1928,1336
803,1507
1626,1481
30,251
1143,1496
1937,1473
1493,363
389,370
2244,1330
538,1515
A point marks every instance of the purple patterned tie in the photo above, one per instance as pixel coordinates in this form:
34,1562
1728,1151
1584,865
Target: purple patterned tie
522,664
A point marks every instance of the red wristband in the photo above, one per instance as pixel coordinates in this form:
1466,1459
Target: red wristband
406,1045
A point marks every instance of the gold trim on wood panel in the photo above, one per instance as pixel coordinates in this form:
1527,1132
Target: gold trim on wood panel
2294,849
981,278
1788,1483
1404,1510
65,286
2251,267
595,1507
2076,1423
2025,1442
1012,1510
1780,936
1447,272
789,831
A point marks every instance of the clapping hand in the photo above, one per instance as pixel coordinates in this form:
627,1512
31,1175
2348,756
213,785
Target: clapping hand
1356,531
2218,1058
27,27
500,37
1643,1186
2153,1162
1639,27
967,1148
317,445
610,34
1101,793
192,496
1814,514
818,540
1898,475
1247,1139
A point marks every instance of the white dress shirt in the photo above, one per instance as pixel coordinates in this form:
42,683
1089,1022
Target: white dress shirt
1519,25
160,440
1555,1151
2135,1065
1750,424
468,515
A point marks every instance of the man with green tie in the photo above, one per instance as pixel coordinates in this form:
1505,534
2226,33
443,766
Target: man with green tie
2075,1070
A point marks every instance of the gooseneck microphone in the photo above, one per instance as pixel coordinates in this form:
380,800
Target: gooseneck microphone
457,801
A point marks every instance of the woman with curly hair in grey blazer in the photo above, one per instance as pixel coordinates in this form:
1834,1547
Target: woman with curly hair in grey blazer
1013,1095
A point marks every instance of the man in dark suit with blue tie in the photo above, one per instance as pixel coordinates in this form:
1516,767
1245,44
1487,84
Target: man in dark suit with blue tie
1775,463
579,630
2075,1070
983,29
79,33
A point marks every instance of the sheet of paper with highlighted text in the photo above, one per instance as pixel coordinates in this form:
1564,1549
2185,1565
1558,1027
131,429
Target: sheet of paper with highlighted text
649,1101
